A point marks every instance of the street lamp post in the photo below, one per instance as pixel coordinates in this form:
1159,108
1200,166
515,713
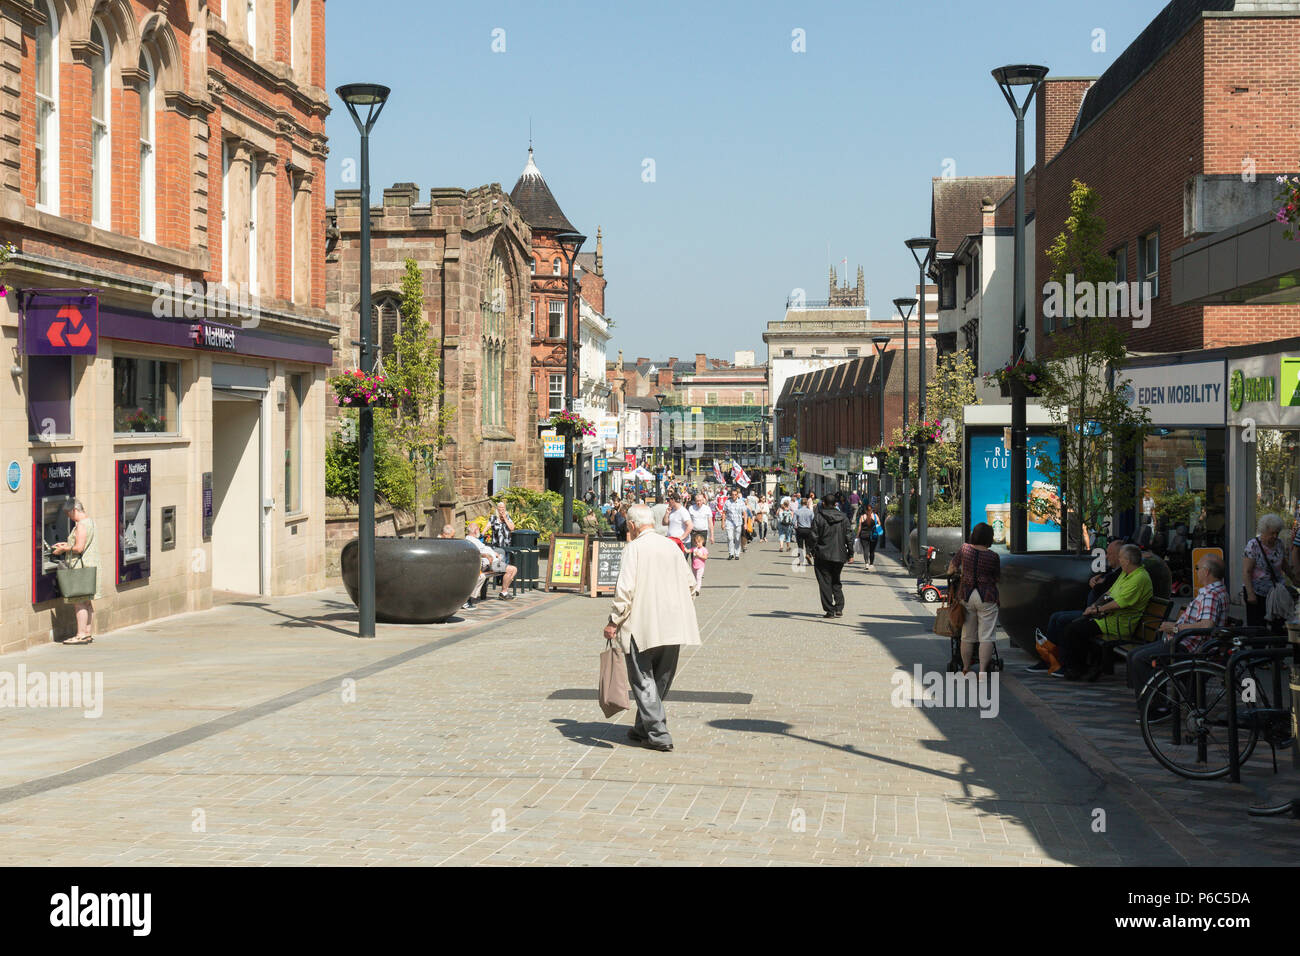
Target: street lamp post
659,446
1007,78
570,243
881,342
371,98
905,307
923,252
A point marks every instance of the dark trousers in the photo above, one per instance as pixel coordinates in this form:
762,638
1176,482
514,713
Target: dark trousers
650,676
869,549
828,583
1075,648
803,538
1058,622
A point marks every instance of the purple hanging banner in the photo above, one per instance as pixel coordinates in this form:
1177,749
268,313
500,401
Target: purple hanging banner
60,322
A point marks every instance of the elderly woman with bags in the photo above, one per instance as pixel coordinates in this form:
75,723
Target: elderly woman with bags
1268,602
81,548
977,592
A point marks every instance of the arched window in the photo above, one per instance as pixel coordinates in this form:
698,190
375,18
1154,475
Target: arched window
494,313
101,92
147,86
47,107
385,324
555,266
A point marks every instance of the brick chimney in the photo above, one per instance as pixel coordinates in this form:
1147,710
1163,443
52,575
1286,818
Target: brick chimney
672,362
1058,103
642,360
665,378
701,362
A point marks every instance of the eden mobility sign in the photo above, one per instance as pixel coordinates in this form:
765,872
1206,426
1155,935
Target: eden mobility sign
1191,394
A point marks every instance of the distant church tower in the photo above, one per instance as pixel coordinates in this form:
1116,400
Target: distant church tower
847,296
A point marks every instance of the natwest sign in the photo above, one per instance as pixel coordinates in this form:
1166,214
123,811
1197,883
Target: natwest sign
60,322
209,335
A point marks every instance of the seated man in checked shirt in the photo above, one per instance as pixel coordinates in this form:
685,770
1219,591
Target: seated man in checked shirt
1208,609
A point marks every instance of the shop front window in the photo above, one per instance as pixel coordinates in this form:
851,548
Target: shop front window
1183,496
49,397
295,394
145,396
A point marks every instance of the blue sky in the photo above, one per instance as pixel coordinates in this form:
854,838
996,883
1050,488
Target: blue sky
762,156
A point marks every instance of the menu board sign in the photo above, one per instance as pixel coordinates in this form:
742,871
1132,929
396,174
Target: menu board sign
567,568
607,560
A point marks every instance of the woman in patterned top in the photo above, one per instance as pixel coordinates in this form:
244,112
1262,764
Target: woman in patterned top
978,591
1264,569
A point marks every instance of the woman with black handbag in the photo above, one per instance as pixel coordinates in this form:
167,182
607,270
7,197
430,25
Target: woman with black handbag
79,581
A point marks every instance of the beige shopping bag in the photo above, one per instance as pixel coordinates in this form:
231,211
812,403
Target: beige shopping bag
614,690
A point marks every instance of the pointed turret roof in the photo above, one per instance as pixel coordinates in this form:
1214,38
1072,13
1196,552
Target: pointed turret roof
532,197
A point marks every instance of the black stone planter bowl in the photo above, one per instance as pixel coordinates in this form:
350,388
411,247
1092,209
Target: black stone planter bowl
1035,586
946,541
417,580
894,531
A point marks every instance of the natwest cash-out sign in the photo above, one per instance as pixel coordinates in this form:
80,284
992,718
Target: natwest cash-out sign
60,322
209,335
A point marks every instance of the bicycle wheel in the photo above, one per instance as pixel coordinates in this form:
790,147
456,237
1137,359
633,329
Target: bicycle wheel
1184,716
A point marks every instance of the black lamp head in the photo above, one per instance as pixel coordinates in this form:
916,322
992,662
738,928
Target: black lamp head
570,243
1019,74
905,307
922,249
369,97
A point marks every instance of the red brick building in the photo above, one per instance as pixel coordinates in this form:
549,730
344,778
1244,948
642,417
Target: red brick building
1180,138
164,160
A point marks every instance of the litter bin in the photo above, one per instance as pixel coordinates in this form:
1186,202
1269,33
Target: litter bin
523,546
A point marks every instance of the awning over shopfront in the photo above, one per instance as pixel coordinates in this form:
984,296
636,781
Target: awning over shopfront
1251,263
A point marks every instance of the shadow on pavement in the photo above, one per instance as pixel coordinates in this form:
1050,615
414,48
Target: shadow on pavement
592,733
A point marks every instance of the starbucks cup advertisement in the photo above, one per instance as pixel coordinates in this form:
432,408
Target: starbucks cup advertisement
988,475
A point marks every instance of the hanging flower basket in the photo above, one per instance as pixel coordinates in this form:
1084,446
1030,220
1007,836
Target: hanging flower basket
357,389
1030,374
566,422
6,250
924,433
1288,195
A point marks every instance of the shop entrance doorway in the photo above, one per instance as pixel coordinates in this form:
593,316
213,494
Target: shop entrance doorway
236,493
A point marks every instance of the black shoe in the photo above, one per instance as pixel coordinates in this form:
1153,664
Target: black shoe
662,748
829,614
1036,668
839,613
1059,672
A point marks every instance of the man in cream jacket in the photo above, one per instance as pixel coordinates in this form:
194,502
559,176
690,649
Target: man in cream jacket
652,616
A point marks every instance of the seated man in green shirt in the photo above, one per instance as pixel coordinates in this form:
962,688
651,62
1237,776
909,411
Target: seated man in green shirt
1114,618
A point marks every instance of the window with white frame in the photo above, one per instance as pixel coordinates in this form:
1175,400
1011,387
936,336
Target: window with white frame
532,317
254,174
225,211
851,353
555,266
47,110
147,86
555,329
101,90
532,266
1148,248
556,394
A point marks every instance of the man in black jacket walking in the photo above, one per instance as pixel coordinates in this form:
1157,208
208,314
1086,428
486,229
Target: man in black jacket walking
832,548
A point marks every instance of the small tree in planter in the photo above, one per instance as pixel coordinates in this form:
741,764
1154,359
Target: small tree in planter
419,418
1085,384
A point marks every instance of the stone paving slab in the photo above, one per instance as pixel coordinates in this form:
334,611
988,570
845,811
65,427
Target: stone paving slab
263,733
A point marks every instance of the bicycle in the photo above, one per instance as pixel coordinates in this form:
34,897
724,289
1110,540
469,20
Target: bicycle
1187,712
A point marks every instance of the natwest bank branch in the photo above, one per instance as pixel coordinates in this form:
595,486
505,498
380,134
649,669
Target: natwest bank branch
192,442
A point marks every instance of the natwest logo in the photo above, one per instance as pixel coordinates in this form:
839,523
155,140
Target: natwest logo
209,336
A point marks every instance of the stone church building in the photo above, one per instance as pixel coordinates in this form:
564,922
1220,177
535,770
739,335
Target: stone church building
473,248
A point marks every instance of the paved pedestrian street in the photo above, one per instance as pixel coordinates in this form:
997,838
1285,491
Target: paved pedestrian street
263,732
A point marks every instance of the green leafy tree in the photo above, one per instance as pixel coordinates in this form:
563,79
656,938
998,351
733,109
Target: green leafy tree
1083,392
946,395
419,424
393,472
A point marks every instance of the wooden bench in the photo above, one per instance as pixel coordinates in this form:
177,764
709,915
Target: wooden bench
1148,629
